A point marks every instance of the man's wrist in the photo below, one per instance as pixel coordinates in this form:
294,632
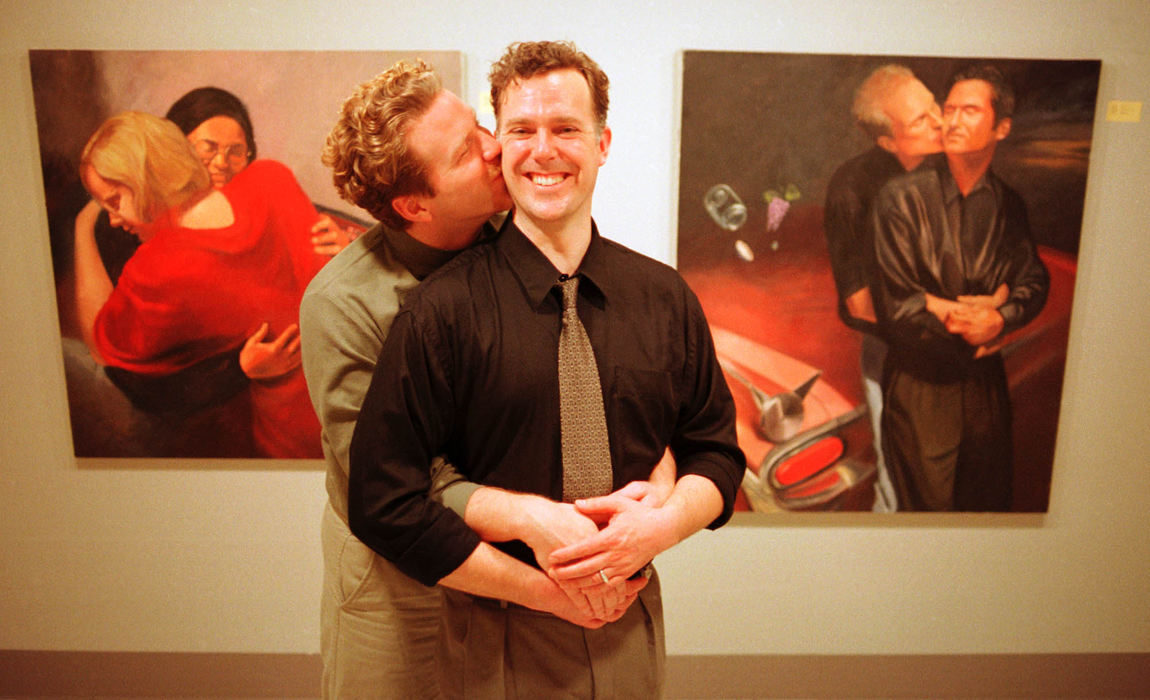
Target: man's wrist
674,524
532,513
499,515
533,589
695,502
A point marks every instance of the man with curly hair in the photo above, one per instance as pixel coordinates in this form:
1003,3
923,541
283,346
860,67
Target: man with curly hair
413,155
470,369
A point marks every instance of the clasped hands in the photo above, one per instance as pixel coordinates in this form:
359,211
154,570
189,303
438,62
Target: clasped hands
973,317
593,548
575,542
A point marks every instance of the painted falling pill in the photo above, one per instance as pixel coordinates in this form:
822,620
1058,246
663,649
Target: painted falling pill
744,250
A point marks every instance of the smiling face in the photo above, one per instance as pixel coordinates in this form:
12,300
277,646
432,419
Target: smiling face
552,149
462,162
968,119
222,147
119,201
915,123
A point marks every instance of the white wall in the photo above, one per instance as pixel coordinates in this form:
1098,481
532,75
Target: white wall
228,560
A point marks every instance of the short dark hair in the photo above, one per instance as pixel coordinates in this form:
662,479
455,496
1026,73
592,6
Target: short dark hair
1001,92
201,104
527,59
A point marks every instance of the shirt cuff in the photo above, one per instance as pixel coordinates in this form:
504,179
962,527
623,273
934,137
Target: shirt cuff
725,475
440,549
457,495
1011,315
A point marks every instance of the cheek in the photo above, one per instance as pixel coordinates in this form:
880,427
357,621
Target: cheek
925,135
513,151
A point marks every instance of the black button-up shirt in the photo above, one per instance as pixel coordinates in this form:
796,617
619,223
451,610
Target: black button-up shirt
847,222
470,370
929,238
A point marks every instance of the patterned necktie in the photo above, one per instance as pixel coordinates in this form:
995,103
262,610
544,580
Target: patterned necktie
583,426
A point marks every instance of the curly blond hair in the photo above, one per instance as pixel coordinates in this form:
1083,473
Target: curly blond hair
527,59
367,148
151,157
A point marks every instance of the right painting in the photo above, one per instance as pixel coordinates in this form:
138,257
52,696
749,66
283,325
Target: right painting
886,249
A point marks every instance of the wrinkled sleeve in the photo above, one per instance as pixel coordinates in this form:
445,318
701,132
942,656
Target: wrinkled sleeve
339,352
1025,273
292,214
900,286
402,426
843,215
154,322
704,442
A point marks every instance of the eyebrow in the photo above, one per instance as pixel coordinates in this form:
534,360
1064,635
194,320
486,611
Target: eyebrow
551,121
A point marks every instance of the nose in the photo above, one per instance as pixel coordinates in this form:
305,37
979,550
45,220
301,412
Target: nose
544,146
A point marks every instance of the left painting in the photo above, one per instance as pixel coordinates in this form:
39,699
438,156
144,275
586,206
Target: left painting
180,342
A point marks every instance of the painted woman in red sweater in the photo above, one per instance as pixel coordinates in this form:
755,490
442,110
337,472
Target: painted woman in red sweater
214,265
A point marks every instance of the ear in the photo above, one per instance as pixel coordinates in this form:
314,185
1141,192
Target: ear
886,143
1002,129
604,144
411,207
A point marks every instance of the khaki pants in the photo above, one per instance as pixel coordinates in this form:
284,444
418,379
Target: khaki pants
494,650
379,629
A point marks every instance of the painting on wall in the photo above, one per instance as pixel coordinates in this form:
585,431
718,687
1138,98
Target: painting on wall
887,245
172,353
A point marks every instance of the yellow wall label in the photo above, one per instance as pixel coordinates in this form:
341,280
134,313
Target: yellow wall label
1121,111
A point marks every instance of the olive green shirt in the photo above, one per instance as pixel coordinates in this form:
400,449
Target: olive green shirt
345,314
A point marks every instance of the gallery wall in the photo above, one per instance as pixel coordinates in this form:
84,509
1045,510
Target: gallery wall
225,558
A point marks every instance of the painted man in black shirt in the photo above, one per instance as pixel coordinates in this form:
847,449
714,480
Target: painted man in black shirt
469,370
957,270
895,109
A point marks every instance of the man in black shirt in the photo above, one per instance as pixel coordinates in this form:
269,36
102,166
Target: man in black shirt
895,109
957,270
469,370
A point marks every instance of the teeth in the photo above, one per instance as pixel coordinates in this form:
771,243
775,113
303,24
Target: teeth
546,179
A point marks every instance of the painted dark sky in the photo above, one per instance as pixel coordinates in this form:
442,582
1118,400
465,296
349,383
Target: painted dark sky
759,121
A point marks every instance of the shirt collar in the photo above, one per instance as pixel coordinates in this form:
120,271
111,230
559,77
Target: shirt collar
419,258
536,273
950,190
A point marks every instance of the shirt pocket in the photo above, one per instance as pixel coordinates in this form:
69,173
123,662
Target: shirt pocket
644,408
